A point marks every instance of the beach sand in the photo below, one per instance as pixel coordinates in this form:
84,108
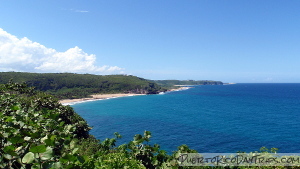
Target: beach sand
97,97
107,96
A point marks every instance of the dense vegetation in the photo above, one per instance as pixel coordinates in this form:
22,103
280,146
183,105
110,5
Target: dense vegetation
171,83
38,132
70,85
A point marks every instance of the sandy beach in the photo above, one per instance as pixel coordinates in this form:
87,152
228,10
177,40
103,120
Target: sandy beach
97,97
107,96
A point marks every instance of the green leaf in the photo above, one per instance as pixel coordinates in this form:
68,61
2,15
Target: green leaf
16,140
61,123
56,165
38,149
10,150
7,156
35,135
44,138
9,119
75,150
5,135
48,154
67,158
81,159
72,144
28,158
15,108
49,142
137,137
54,116
53,137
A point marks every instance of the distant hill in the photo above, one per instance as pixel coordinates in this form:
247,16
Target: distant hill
70,85
170,83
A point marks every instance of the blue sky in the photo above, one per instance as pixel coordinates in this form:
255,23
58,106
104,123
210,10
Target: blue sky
232,40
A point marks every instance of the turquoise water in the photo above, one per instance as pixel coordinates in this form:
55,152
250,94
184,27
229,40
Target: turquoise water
210,119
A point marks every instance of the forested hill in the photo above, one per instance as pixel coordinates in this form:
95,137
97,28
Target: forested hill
169,83
69,85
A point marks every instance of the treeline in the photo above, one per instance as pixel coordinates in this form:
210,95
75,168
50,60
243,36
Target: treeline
170,83
38,132
70,85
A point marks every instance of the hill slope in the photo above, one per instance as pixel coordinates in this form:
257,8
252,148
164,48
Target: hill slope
69,85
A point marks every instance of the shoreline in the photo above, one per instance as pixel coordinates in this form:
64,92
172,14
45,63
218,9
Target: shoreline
96,97
108,96
180,88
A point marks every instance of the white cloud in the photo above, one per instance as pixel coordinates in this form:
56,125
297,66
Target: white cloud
24,55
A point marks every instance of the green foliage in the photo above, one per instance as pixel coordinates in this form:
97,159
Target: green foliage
35,129
38,132
70,86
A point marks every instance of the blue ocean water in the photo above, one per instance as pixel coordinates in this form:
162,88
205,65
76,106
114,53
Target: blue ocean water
210,119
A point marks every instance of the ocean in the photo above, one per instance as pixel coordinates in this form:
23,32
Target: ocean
207,118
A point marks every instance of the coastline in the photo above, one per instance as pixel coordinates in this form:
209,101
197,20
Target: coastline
96,97
108,96
184,87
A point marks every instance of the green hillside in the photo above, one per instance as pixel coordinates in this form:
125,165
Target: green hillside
70,85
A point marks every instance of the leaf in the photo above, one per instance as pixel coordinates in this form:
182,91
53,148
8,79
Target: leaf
44,138
81,159
21,124
137,137
10,150
16,140
35,135
38,149
67,158
56,165
72,144
49,142
54,116
5,135
28,158
15,108
9,119
26,138
75,150
53,137
7,156
48,154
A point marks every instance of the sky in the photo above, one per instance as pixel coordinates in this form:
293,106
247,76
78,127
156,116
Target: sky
241,41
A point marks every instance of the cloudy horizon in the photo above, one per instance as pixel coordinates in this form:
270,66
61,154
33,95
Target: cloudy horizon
24,55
